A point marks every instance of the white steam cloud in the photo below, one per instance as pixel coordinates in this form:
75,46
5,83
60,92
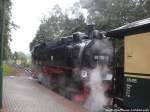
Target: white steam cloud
97,98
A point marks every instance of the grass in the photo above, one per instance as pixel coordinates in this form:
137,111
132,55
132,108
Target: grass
6,70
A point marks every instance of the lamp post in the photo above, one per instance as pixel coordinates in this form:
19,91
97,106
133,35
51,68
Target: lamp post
2,24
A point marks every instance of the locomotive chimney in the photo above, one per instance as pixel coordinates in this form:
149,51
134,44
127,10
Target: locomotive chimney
91,28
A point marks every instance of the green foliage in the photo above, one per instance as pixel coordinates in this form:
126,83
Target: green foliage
7,28
58,25
20,56
106,14
109,14
6,48
6,70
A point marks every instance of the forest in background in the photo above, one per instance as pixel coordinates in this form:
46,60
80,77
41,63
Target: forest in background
7,28
7,25
105,14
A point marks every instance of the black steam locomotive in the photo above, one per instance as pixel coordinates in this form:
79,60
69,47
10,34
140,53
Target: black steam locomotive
63,65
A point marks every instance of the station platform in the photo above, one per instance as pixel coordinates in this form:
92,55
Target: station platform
24,94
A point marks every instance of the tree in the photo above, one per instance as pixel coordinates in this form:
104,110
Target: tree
21,57
58,25
7,29
109,14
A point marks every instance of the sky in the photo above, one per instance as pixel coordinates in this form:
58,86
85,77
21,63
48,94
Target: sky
27,15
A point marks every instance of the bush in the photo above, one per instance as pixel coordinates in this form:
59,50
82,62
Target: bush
6,70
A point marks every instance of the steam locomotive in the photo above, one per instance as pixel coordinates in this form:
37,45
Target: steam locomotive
64,65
